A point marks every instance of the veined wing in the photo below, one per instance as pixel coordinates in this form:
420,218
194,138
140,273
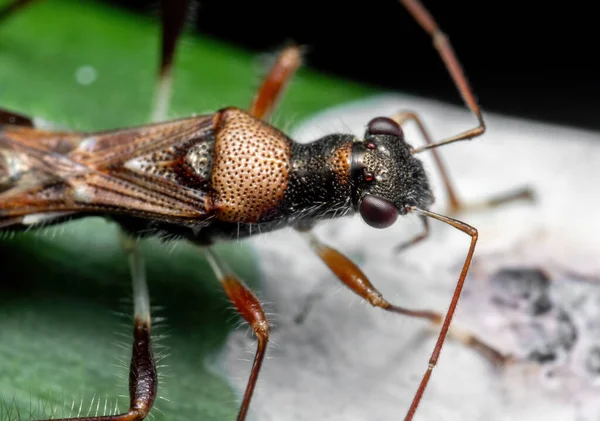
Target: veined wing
140,171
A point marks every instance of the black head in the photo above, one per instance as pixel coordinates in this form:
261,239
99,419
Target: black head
387,178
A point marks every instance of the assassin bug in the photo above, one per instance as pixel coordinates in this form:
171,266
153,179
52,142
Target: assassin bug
224,176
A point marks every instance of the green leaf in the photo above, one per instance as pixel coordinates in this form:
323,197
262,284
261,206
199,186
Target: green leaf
63,344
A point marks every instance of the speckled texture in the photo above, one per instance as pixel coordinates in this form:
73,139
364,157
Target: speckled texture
319,186
398,175
251,167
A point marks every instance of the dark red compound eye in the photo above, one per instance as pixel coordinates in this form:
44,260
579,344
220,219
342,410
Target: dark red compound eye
384,125
377,212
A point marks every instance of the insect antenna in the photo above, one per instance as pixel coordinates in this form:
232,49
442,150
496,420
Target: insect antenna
445,50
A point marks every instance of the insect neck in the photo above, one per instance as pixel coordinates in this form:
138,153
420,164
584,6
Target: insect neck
319,184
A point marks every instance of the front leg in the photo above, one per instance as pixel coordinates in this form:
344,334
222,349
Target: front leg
352,276
455,203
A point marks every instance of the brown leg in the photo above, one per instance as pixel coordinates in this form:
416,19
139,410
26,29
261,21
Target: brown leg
273,85
142,380
355,279
251,310
12,8
142,372
173,19
455,204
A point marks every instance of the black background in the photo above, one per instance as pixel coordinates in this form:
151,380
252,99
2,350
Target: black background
530,59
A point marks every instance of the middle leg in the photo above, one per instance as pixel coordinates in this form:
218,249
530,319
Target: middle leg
249,307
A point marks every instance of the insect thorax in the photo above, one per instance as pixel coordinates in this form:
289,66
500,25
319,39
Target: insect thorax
311,182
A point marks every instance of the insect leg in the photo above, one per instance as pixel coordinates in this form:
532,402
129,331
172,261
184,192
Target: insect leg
455,204
143,381
351,275
249,307
173,20
273,85
142,372
12,8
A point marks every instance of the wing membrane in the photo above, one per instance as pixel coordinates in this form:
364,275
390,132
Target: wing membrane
49,172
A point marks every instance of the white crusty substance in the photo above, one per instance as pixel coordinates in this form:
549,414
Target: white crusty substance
349,361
